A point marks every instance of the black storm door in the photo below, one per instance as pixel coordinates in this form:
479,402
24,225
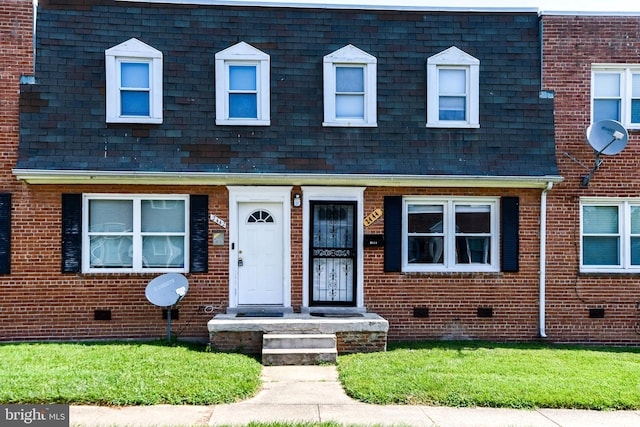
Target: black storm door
333,253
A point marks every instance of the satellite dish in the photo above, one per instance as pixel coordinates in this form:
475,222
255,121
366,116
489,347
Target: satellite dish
607,137
167,290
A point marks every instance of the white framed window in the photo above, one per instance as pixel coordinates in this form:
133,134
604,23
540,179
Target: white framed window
350,88
133,83
610,235
460,234
615,94
453,90
242,86
135,233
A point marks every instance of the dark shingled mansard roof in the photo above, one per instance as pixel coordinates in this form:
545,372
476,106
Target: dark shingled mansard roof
63,114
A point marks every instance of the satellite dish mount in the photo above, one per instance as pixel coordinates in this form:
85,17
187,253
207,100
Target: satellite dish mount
605,137
166,291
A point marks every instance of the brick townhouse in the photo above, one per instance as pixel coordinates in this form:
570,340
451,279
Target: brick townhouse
313,161
592,63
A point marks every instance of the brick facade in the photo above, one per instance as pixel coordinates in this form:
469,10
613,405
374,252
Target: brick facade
571,45
63,128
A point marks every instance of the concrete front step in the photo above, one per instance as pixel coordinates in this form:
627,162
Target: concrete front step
299,349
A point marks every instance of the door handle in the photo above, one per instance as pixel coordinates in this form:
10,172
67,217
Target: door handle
240,262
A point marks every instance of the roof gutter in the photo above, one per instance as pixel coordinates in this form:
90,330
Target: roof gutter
53,177
543,259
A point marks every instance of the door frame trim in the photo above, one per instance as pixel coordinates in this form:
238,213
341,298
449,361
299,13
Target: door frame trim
258,194
336,194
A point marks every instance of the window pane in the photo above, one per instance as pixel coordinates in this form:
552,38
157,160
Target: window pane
135,103
635,111
473,250
606,109
162,215
601,250
600,219
635,251
607,85
635,219
429,250
473,219
242,77
349,79
350,106
425,219
243,105
635,86
452,108
134,75
452,82
111,216
111,251
162,251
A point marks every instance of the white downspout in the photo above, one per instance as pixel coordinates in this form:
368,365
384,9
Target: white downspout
543,256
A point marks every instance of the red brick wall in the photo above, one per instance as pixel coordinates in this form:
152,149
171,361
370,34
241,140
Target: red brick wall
571,45
16,59
38,302
454,298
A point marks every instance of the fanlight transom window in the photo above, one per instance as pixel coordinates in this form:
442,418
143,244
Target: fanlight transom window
260,216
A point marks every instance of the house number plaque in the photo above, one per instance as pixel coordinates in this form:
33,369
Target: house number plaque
372,217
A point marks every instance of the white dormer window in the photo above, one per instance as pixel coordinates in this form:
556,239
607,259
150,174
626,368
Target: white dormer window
349,88
453,90
242,86
134,83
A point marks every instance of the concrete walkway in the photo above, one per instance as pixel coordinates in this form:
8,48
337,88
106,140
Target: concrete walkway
314,394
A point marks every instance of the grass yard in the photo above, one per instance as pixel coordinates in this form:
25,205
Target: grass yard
124,374
496,375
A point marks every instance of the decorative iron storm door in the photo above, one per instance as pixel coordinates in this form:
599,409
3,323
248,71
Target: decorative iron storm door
333,253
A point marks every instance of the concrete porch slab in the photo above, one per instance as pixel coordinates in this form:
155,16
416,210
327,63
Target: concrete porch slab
361,332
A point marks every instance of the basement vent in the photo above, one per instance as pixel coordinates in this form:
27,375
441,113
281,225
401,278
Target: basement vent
420,311
175,314
101,314
596,313
485,312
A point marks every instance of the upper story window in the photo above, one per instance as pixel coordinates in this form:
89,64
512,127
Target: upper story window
349,88
450,234
610,235
615,94
134,83
135,233
453,90
242,86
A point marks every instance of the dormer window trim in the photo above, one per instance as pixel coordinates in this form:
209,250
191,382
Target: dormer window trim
133,71
353,103
453,103
242,86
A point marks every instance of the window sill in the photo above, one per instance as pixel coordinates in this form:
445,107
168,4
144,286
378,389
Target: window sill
239,122
453,125
347,124
136,120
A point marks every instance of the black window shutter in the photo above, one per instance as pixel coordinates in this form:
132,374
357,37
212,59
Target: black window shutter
510,222
71,233
392,233
199,233
5,233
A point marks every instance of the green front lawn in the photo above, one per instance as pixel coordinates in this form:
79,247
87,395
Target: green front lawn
124,374
496,375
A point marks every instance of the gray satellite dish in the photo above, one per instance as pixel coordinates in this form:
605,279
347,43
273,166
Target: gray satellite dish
166,291
605,137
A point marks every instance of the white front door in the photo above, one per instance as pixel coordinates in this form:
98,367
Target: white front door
260,254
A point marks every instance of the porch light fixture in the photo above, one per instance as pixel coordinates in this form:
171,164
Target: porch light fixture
297,200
